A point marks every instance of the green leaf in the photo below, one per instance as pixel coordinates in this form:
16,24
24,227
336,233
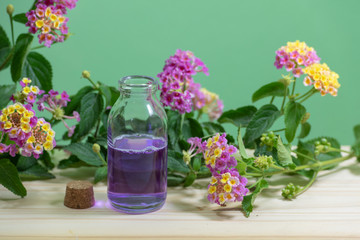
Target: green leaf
20,18
238,117
174,180
204,172
242,149
284,156
176,162
196,163
22,47
36,172
100,174
305,149
115,94
357,132
9,178
329,155
46,160
262,120
305,130
192,128
106,92
72,162
293,113
247,203
212,128
6,91
190,179
74,104
25,163
5,49
276,89
85,153
91,107
241,167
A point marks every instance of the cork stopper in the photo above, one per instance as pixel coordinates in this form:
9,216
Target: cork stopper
79,195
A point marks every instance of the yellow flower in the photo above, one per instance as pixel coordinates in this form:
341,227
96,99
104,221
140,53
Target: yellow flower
212,161
11,109
216,138
25,120
48,145
26,81
225,177
48,12
27,114
212,189
217,152
227,188
39,23
34,89
3,118
31,139
213,180
61,19
221,198
45,127
26,90
7,125
53,17
49,138
209,143
51,133
25,127
233,181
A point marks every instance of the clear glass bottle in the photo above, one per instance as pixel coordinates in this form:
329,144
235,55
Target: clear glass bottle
137,148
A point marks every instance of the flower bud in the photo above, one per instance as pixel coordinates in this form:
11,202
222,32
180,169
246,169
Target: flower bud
10,9
305,118
263,162
96,148
85,74
290,191
286,80
186,157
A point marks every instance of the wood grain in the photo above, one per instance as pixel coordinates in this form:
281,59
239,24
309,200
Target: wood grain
328,210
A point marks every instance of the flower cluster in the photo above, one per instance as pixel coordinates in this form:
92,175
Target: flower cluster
29,134
228,186
323,79
177,80
294,56
55,103
213,105
48,19
263,162
28,93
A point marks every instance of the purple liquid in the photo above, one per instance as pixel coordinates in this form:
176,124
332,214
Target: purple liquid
137,173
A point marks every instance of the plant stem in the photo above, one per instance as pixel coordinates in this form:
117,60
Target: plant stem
307,186
91,81
272,100
283,102
279,130
199,115
12,29
97,128
253,185
277,167
338,150
308,92
102,159
305,98
182,122
293,88
253,168
304,156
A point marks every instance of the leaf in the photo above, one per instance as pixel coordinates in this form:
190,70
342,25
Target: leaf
329,155
174,180
247,203
357,132
115,94
204,172
46,160
212,128
241,167
190,179
238,117
242,149
85,153
36,172
20,18
91,107
293,113
75,103
230,139
72,162
284,156
9,178
262,120
305,149
276,89
176,162
22,47
100,174
106,92
305,130
6,91
5,49
25,163
192,128
196,163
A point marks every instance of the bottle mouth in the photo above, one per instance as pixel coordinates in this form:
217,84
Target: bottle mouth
137,82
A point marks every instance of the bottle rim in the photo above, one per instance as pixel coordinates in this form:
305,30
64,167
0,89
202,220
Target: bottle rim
137,82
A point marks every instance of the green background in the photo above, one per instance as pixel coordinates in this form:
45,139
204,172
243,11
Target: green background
236,39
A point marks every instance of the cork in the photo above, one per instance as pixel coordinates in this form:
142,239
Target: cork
79,195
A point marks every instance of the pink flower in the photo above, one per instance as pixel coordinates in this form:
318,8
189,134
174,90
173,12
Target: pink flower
289,66
297,72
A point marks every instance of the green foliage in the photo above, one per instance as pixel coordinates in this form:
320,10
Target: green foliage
273,89
241,146
176,162
20,18
85,153
305,130
249,200
5,50
294,112
212,128
189,180
284,156
356,146
35,172
239,117
92,106
262,120
75,103
9,178
174,180
5,93
72,162
100,174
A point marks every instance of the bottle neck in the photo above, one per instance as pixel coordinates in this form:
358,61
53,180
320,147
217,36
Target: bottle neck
137,86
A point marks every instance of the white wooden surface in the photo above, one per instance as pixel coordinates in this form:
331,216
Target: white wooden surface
329,210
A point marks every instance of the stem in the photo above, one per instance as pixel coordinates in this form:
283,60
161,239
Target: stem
277,167
255,183
293,88
272,100
199,115
279,130
182,122
97,128
7,58
338,150
303,100
307,186
283,102
12,29
254,168
96,87
308,92
304,156
102,159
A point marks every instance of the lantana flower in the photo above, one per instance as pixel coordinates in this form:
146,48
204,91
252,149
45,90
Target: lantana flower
322,78
49,21
176,80
294,56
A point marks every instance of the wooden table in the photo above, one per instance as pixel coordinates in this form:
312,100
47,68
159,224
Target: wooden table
329,210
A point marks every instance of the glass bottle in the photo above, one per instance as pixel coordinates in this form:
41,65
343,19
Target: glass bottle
137,148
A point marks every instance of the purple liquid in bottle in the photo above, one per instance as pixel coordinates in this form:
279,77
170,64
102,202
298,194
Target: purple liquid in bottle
137,173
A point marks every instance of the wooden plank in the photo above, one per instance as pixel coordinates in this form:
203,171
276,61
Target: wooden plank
328,210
